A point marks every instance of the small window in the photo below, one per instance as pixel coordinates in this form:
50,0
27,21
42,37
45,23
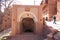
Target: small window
8,14
5,20
5,25
1,21
13,19
46,1
8,18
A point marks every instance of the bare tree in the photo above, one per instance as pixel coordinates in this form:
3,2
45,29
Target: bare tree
0,5
7,3
7,10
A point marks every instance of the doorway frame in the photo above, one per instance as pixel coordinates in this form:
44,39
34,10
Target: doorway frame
34,28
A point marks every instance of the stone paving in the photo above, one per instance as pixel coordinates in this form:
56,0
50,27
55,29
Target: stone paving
27,36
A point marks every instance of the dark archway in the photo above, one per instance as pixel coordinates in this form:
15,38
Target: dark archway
28,25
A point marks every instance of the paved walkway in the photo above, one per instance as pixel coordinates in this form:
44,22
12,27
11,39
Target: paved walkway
30,36
27,36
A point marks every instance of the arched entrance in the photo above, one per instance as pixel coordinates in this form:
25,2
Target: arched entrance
28,25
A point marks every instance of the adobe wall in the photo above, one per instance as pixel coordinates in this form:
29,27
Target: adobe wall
19,12
7,18
52,7
58,10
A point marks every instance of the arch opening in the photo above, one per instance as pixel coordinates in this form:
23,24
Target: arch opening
28,24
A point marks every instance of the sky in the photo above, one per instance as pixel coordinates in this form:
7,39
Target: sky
25,2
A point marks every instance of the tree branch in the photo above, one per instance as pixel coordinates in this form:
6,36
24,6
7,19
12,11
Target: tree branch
10,3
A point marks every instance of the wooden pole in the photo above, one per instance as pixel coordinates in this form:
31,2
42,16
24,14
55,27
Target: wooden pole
34,2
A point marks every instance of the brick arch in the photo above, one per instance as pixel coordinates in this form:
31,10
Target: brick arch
28,14
28,25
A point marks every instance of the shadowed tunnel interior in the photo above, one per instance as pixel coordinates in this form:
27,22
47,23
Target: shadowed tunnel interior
28,25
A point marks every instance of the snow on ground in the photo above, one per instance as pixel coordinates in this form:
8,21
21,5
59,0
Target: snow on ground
5,33
55,26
